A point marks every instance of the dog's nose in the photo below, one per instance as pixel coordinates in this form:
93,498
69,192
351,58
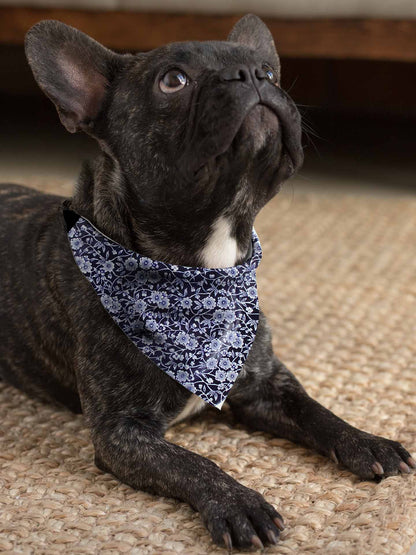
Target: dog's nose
243,73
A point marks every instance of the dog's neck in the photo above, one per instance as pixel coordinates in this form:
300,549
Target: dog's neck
217,240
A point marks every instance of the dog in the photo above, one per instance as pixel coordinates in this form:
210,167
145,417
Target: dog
195,139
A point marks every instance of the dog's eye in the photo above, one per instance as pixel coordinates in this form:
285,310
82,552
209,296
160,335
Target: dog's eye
174,80
270,74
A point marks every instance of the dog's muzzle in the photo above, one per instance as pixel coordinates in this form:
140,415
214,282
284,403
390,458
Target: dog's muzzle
222,106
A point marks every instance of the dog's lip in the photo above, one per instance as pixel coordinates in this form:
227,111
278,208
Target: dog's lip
288,116
290,147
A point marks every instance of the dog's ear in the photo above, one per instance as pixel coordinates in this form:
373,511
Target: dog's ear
251,31
72,69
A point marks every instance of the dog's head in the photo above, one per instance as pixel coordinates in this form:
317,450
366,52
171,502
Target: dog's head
190,132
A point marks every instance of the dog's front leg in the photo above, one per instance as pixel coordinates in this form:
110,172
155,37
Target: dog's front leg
275,402
132,448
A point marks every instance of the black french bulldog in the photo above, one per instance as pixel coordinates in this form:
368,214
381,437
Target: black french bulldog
195,139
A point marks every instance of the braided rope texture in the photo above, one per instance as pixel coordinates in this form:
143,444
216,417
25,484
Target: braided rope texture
338,284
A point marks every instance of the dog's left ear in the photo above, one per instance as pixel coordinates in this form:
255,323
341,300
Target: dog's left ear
251,31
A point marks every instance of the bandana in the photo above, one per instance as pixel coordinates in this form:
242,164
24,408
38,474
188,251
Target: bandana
196,324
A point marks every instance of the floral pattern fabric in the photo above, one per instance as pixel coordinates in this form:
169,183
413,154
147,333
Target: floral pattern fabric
196,324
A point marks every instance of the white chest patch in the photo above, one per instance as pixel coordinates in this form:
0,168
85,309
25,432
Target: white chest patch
194,405
220,250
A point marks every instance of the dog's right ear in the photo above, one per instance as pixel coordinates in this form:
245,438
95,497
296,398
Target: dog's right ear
73,70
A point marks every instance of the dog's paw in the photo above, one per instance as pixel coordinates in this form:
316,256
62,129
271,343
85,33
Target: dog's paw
242,518
371,457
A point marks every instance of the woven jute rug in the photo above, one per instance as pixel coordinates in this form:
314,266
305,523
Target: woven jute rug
338,285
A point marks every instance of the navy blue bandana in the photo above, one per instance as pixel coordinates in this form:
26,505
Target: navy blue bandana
196,324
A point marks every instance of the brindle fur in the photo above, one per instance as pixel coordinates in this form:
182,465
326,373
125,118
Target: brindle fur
170,166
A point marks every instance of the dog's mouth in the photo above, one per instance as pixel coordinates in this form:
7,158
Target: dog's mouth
259,125
264,114
290,122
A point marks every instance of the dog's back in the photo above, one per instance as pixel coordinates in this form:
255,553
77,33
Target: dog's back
32,329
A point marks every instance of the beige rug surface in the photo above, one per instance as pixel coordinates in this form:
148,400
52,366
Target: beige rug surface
338,282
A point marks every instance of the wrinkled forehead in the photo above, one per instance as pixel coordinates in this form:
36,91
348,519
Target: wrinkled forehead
210,55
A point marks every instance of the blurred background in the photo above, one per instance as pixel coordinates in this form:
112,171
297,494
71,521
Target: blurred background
350,66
